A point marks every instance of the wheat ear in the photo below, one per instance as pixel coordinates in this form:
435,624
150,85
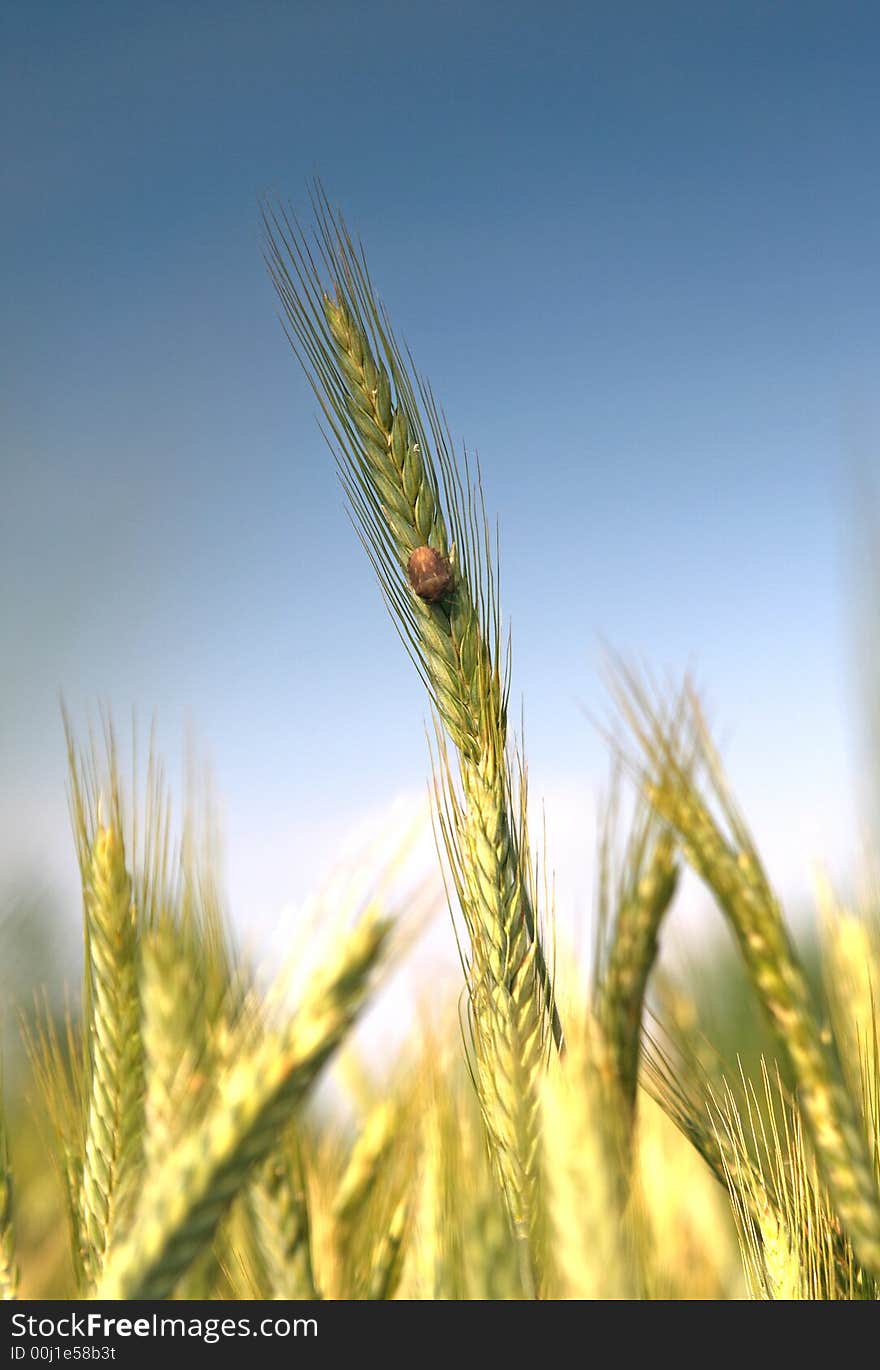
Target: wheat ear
113,1126
404,499
173,1038
183,1203
730,866
635,911
453,634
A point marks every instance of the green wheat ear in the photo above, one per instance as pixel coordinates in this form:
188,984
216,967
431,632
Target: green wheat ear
632,906
415,509
406,491
113,1128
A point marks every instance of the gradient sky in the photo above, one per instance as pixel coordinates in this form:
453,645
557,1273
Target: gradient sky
634,246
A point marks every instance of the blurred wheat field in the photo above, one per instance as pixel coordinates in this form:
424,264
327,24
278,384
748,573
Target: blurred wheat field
547,1138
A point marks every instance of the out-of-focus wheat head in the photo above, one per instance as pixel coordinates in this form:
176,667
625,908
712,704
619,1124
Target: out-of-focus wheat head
851,971
673,744
179,1090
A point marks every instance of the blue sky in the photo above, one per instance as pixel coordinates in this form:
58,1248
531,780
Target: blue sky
635,248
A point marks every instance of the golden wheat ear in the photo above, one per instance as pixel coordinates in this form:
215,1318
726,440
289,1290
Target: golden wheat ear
181,1206
722,852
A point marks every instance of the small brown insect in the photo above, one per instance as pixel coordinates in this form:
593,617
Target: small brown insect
430,574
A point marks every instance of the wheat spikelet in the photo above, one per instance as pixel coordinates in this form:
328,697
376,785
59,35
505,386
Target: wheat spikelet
280,1208
505,986
115,1100
180,1209
173,1033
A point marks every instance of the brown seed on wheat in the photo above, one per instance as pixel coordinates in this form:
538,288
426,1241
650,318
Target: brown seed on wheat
430,574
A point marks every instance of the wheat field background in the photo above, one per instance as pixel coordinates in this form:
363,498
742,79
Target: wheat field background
637,246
